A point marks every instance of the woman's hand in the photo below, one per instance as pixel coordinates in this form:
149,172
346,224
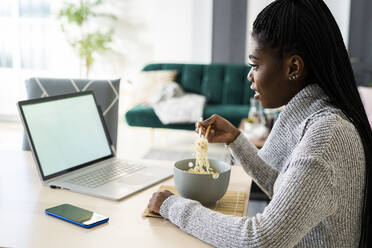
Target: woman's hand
157,200
222,131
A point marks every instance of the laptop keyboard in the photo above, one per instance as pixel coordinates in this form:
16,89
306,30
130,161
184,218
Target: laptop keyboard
106,174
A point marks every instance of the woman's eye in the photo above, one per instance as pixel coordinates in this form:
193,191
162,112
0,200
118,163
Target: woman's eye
254,66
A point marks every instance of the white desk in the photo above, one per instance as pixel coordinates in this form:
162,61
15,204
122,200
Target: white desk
23,222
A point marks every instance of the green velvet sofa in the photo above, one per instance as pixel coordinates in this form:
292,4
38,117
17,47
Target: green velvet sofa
225,86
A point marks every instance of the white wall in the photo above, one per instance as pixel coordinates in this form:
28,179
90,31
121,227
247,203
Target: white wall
159,31
202,31
339,8
155,31
170,30
181,30
341,11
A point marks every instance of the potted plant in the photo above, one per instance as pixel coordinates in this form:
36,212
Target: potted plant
75,19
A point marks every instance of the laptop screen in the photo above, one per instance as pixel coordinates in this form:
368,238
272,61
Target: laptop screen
66,132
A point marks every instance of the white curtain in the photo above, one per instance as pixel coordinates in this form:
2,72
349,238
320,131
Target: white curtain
29,46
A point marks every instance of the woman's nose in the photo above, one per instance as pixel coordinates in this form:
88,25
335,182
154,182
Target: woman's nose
250,76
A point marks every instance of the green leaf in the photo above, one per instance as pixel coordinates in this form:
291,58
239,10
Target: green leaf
78,14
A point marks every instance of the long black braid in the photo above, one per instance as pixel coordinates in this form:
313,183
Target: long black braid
307,28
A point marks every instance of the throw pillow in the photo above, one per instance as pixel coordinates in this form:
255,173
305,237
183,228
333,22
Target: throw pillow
166,92
149,83
366,96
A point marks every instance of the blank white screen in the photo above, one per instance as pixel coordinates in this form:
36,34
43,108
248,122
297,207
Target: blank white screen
66,132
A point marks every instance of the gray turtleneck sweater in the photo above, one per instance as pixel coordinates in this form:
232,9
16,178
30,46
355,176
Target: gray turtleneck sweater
312,166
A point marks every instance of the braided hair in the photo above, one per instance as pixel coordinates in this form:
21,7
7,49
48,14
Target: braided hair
307,28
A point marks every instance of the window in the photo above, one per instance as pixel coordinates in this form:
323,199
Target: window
30,45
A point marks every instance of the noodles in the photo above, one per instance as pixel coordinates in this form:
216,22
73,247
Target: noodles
201,159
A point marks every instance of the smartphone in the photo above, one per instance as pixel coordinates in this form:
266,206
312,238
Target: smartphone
76,215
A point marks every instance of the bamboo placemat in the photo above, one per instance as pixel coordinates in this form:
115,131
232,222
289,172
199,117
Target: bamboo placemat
233,203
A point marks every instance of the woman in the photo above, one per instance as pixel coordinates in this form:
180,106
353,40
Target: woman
316,164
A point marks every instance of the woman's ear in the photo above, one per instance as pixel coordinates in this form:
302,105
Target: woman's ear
295,65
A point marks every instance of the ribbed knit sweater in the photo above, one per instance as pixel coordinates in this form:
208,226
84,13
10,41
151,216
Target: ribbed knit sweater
312,166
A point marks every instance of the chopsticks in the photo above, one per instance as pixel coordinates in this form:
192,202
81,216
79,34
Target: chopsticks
207,132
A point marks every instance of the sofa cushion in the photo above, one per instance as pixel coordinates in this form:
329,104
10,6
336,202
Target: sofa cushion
192,78
233,113
144,116
236,88
148,84
220,83
212,84
225,86
157,67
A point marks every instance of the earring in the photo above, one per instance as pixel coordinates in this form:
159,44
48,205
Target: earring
293,77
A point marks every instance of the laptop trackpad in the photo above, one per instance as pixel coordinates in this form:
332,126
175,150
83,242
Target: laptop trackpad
136,179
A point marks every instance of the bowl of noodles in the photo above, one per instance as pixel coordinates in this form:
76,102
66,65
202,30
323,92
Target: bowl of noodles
202,179
205,187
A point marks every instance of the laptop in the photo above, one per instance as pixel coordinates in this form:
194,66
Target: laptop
72,149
